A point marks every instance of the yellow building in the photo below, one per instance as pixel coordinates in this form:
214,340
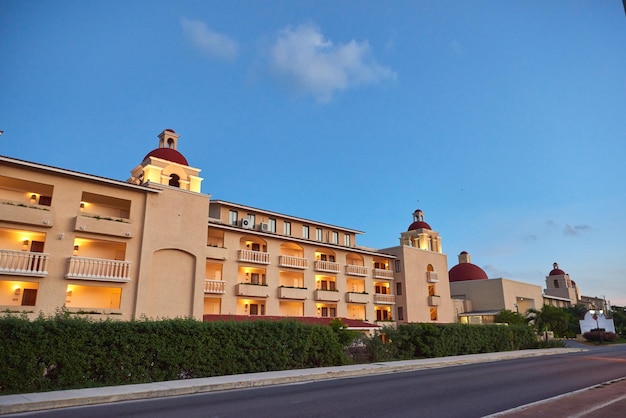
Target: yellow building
155,246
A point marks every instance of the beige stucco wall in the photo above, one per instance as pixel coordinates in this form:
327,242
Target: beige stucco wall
413,277
498,294
63,230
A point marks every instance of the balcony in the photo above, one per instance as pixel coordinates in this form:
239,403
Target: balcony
20,213
24,263
216,253
116,227
432,277
356,270
293,262
352,297
84,268
382,299
327,295
252,290
326,266
257,257
299,293
434,300
214,286
382,274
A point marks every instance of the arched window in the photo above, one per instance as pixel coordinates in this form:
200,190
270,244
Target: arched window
556,284
430,268
174,180
170,143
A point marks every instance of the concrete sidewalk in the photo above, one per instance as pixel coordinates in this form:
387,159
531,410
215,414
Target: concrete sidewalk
607,400
60,399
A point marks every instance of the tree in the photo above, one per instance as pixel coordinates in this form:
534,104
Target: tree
506,316
550,318
619,319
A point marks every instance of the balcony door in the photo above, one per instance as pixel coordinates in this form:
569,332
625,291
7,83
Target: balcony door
35,247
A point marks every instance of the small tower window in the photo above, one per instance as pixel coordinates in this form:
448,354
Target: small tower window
170,143
556,284
174,180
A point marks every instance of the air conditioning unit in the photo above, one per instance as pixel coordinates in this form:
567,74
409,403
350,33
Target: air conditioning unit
264,226
245,223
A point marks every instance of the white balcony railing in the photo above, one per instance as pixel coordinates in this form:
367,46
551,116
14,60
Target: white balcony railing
327,266
434,300
214,286
382,274
356,270
98,269
383,299
352,297
293,262
23,263
432,277
254,257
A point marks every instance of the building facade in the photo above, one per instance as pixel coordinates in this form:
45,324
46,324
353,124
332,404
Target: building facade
155,246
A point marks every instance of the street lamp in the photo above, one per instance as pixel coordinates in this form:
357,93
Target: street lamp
593,313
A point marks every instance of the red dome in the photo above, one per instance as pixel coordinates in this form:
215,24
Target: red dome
419,225
466,271
557,272
168,154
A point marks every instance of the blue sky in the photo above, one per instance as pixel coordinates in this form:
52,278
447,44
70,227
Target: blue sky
503,121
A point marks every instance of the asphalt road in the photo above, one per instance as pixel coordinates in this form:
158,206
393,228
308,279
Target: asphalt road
474,390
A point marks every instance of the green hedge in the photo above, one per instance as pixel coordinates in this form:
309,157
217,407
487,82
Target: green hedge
409,341
65,352
69,352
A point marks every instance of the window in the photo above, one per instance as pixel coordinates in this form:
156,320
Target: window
45,200
398,268
382,315
382,290
319,234
334,237
272,223
252,219
327,285
255,278
431,290
256,247
232,217
305,231
287,228
556,284
400,313
346,240
174,180
399,289
329,311
254,309
433,314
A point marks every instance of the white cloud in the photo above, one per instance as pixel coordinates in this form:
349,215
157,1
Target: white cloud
209,41
313,65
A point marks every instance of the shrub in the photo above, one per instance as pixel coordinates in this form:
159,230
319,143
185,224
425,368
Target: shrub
600,336
66,351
